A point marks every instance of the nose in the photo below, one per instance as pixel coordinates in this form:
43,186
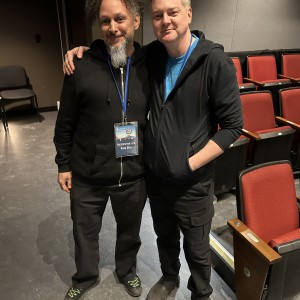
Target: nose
112,26
166,19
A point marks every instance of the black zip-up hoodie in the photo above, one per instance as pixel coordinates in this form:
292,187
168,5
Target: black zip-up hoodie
206,94
89,108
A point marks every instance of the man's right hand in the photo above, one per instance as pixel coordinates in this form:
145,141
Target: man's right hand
68,66
65,181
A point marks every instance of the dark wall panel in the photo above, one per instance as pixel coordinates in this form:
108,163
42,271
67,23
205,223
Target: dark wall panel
29,35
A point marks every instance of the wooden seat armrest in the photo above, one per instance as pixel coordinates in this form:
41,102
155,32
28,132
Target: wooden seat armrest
251,135
246,79
287,77
287,122
282,76
258,245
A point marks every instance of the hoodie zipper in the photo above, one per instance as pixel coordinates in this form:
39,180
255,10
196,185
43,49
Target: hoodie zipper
162,108
123,121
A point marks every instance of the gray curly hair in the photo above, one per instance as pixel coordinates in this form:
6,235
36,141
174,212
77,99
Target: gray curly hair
92,8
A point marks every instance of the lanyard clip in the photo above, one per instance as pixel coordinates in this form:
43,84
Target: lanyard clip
124,119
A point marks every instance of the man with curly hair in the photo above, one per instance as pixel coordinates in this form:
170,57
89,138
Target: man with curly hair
99,142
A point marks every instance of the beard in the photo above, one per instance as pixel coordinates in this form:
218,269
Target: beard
118,55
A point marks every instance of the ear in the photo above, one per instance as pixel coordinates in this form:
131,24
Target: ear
137,22
190,15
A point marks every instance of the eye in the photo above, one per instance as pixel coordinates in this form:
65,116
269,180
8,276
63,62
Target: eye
174,13
120,19
157,17
104,22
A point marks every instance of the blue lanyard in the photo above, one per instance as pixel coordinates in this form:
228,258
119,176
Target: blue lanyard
186,56
122,100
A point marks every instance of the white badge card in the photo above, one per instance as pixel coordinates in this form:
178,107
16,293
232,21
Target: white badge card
126,139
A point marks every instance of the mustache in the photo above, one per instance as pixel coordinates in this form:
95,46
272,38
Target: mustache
111,34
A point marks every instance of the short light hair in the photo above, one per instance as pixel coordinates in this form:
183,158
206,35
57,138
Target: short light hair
186,3
92,8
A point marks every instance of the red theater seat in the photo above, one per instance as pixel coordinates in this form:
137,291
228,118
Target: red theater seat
290,65
266,234
290,115
268,142
243,86
262,71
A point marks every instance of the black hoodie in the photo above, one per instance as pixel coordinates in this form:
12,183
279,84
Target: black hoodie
89,108
205,95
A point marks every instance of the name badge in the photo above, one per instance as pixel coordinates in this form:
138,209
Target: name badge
126,139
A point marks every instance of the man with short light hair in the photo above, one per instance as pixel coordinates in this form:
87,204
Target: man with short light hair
194,90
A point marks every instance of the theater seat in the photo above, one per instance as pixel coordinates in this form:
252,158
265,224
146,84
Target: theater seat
229,164
243,86
268,142
290,65
289,100
262,71
266,234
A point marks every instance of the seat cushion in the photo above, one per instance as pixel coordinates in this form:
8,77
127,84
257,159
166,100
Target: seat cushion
276,129
286,242
17,94
276,81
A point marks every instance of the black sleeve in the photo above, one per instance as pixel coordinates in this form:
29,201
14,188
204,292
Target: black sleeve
225,97
66,124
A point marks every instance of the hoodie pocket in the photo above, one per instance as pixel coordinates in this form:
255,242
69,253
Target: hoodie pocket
173,156
104,154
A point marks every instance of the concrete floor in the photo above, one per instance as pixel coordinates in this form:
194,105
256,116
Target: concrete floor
36,243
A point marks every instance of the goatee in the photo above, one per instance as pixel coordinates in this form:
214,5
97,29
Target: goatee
118,55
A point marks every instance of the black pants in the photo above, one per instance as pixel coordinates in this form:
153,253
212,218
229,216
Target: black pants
189,210
87,208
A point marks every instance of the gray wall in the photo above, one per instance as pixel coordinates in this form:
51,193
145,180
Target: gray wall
244,24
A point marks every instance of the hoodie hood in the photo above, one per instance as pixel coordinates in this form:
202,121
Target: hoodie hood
156,48
156,52
205,46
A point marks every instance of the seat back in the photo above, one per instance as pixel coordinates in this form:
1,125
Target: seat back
238,67
290,104
258,111
290,107
229,164
290,64
12,77
262,67
266,199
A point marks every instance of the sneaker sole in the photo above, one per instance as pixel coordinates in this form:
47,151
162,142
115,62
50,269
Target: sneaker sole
131,294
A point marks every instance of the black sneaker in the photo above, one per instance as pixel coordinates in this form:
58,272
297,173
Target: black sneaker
133,286
75,293
162,288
